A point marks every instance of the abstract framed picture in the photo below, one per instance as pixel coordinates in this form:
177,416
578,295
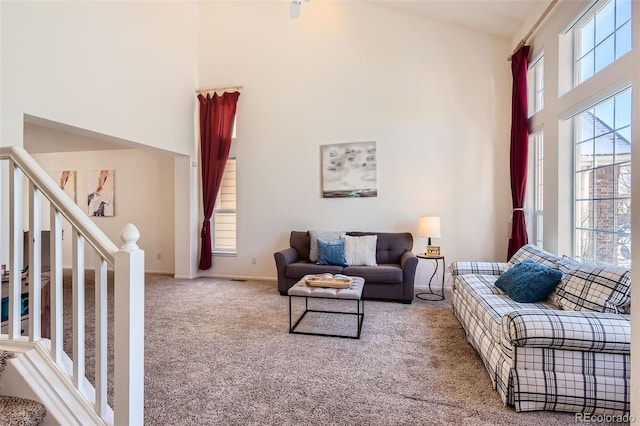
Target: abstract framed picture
66,180
349,170
101,193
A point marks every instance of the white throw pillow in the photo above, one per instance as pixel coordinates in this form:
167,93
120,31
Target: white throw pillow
360,251
325,236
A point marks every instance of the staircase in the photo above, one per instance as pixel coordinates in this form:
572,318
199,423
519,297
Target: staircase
18,411
39,369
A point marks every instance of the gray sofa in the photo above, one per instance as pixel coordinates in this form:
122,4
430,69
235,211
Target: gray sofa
392,279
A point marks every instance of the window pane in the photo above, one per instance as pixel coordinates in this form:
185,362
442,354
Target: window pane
605,22
623,40
604,150
623,182
584,216
584,185
584,245
604,118
623,11
585,155
603,214
605,248
604,185
585,129
585,65
623,109
605,53
586,37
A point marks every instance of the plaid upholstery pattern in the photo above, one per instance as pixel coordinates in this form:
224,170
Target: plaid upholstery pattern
534,253
548,390
595,289
484,268
575,362
568,330
539,357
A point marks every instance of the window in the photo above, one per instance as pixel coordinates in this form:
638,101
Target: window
602,188
601,36
535,80
537,141
224,213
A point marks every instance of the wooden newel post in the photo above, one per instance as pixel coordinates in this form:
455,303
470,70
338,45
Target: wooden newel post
129,330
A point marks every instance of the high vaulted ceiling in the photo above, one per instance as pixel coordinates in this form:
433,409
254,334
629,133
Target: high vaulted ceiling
504,18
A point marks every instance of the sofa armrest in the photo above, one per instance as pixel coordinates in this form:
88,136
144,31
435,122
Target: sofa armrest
284,258
569,330
409,264
482,268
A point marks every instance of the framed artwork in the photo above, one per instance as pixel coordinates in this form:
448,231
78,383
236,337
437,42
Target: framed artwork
101,193
349,170
66,180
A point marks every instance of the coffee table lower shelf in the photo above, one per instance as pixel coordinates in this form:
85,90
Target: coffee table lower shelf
359,314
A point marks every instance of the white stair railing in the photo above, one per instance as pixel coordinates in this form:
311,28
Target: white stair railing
128,265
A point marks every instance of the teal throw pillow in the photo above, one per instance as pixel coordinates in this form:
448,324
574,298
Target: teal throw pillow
529,282
331,253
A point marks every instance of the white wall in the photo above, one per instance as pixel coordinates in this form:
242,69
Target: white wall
144,194
125,69
434,97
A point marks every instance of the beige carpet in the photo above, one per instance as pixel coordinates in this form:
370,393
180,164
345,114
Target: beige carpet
219,352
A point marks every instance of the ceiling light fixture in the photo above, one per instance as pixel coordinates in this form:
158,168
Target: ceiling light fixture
294,9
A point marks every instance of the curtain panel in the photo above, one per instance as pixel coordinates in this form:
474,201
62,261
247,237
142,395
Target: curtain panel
216,127
519,148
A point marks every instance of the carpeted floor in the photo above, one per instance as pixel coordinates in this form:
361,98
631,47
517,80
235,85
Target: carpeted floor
219,352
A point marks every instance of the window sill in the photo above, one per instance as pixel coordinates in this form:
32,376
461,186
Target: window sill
225,253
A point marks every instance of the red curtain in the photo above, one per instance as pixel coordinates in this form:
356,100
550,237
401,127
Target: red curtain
216,127
519,148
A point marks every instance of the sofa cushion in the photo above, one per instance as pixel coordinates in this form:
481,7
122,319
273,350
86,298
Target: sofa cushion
529,282
331,252
360,251
595,289
534,253
323,235
388,274
300,269
390,245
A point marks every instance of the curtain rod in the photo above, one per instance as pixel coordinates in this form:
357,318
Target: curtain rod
533,28
218,89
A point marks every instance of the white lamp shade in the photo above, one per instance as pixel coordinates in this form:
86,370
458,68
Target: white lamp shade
429,226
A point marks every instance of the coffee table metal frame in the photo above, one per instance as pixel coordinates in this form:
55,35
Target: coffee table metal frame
359,316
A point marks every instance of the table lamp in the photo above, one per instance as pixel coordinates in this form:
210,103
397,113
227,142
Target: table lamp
429,226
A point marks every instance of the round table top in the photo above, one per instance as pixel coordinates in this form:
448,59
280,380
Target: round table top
429,256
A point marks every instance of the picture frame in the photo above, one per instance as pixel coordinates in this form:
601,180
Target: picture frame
433,250
349,170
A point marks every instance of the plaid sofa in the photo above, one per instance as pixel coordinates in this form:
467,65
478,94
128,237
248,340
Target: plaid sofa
543,357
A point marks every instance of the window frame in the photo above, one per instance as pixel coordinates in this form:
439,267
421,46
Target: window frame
594,229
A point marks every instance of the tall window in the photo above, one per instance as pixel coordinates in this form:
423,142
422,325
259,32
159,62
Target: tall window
224,213
603,182
537,143
601,36
535,80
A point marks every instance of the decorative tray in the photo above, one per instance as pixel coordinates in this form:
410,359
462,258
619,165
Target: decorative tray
329,280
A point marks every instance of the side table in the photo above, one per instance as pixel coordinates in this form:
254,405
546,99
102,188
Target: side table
430,295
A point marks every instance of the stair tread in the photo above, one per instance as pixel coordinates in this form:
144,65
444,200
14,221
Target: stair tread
21,412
